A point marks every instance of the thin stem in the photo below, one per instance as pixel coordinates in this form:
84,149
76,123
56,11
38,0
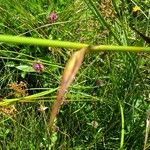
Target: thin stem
66,44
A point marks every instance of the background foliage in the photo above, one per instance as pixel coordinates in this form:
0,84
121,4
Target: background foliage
90,118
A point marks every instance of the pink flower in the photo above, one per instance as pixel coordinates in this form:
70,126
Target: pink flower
38,67
53,17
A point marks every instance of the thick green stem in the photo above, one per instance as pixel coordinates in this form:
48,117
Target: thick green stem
40,42
66,44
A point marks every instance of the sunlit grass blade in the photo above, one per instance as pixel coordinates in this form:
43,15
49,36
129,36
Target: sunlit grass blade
6,102
122,126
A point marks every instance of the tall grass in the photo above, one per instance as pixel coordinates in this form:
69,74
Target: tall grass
105,107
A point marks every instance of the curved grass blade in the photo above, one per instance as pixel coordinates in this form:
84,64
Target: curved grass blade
33,97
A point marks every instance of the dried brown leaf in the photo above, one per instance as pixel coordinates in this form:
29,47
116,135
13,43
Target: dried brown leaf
70,71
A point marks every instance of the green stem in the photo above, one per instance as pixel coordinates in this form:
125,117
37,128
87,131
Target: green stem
40,42
66,44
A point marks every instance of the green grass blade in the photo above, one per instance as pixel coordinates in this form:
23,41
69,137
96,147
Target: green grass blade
30,97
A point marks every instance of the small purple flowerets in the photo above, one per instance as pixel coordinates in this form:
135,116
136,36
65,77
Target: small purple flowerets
53,17
38,67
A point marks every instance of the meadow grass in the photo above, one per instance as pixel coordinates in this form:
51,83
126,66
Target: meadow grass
105,107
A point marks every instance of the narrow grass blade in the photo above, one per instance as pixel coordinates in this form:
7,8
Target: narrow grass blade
6,102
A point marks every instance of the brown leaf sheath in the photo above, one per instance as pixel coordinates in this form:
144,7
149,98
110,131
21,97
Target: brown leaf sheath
70,71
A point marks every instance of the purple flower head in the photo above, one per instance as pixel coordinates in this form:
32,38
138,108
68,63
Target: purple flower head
53,17
38,67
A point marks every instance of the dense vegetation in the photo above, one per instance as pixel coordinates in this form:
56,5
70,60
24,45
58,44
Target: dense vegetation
107,105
